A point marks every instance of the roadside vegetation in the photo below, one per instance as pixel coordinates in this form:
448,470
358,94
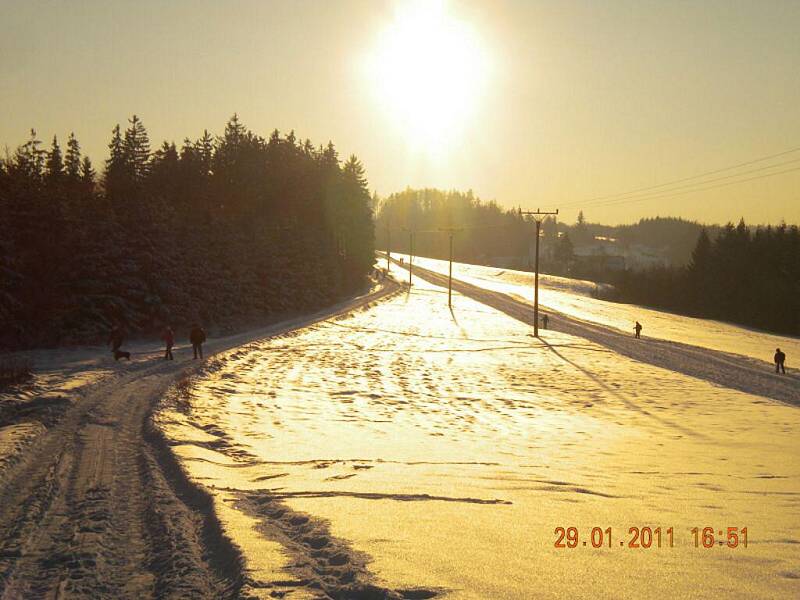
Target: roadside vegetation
226,231
14,371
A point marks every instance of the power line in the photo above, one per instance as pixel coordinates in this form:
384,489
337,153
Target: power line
684,179
699,183
670,194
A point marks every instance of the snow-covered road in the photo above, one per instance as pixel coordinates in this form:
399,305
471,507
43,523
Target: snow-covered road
93,504
408,450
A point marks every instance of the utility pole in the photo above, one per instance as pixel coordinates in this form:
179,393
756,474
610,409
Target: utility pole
451,231
537,216
388,244
410,252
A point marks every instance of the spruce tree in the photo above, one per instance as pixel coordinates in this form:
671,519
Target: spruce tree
357,217
701,256
72,158
204,148
137,150
29,159
87,174
564,252
116,170
55,162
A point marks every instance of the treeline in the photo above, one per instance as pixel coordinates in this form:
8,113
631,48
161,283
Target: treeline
489,231
486,229
674,237
224,230
744,275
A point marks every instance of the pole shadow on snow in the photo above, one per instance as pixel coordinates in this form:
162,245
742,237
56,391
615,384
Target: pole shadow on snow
620,396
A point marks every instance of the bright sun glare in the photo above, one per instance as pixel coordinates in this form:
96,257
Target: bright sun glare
428,71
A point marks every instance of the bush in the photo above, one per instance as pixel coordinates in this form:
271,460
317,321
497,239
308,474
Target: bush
14,371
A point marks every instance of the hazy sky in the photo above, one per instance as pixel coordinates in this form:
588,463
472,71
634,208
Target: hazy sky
547,104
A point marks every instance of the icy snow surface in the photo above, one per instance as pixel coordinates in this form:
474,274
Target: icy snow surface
439,450
573,297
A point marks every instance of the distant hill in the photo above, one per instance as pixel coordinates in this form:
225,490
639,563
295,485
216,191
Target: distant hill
490,232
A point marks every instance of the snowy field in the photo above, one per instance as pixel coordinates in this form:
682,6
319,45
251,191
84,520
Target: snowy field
573,297
426,452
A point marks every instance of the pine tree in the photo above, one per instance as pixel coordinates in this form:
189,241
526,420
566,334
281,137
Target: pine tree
204,148
164,178
581,230
72,158
137,150
55,162
116,170
29,159
227,153
701,256
330,157
88,174
356,217
564,253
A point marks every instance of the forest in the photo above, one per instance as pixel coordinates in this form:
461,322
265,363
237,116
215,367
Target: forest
745,275
226,231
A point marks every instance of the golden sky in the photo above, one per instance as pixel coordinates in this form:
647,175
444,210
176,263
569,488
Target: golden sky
539,104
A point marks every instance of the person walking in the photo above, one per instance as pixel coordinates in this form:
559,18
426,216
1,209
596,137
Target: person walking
780,359
197,336
545,321
169,340
638,329
116,338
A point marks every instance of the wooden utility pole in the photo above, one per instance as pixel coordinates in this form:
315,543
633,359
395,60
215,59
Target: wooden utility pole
451,231
410,252
388,244
537,216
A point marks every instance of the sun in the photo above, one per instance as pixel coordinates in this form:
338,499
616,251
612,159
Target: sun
428,72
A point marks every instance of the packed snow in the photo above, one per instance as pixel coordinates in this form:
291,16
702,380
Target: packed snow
435,452
574,297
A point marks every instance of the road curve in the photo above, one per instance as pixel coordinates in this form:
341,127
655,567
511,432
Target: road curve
98,507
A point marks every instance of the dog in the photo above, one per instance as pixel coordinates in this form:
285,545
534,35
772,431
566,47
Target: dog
121,354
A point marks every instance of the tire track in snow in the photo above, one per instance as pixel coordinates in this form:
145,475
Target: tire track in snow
99,507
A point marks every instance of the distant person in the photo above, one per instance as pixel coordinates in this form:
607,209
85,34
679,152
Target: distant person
197,336
402,261
169,340
116,338
638,329
545,321
780,359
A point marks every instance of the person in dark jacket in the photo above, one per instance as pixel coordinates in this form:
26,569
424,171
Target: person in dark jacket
638,329
780,359
169,340
545,321
116,338
197,336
